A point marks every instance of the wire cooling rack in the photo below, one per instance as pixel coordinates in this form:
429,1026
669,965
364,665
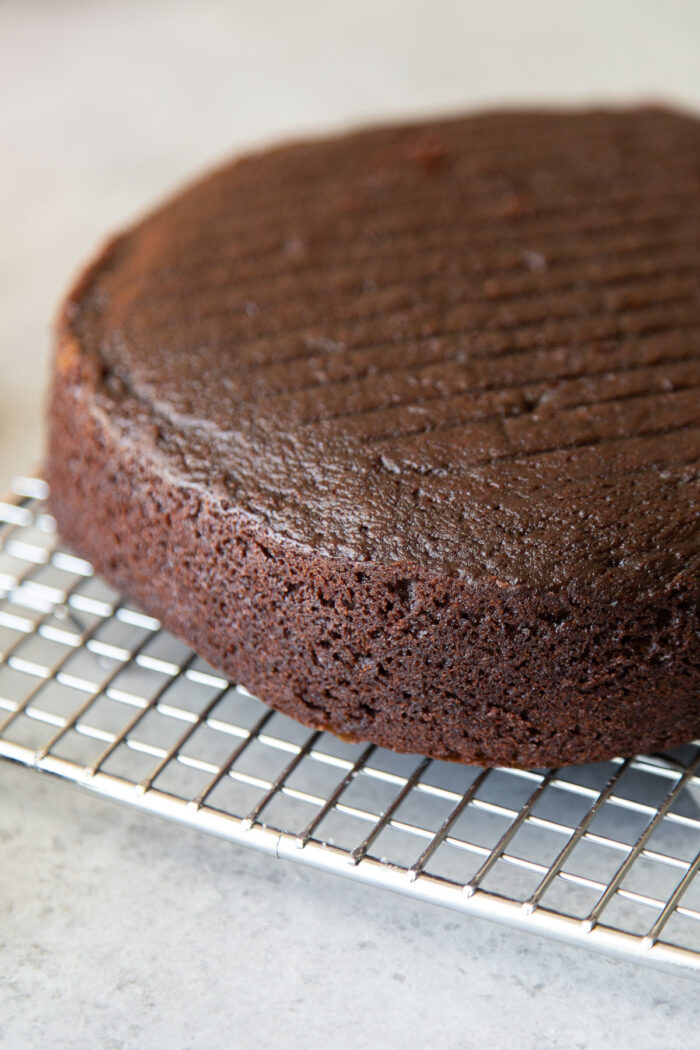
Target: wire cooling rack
94,691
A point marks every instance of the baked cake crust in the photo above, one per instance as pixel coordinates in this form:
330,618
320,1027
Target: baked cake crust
401,430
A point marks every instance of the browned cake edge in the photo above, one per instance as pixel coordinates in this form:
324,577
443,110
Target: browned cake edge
388,653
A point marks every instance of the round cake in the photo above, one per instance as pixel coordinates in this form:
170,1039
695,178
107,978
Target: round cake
401,430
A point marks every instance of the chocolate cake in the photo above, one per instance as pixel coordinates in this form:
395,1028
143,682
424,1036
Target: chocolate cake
401,430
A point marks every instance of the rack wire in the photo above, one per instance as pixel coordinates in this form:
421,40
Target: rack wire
96,692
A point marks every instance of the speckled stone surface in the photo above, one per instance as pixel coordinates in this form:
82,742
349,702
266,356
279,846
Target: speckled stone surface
124,932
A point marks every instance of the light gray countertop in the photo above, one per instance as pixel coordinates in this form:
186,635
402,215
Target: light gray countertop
122,931
118,930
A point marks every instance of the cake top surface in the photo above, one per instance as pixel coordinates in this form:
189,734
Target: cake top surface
471,345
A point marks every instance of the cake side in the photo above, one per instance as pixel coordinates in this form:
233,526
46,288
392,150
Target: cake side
390,653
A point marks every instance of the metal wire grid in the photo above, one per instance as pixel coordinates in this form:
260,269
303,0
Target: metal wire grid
94,691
